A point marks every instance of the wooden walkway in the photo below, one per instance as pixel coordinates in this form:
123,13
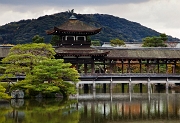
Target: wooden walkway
123,78
129,78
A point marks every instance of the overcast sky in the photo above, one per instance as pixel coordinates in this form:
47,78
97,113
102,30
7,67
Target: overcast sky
160,15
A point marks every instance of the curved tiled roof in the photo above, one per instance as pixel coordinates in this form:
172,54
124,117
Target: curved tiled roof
80,52
144,53
74,26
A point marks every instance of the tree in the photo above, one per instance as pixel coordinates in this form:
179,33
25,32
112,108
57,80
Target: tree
25,57
54,40
3,95
155,41
163,36
43,73
49,76
116,42
37,39
95,43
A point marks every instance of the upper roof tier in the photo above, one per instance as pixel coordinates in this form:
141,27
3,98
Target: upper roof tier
74,27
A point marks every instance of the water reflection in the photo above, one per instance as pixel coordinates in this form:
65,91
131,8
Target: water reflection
161,107
141,108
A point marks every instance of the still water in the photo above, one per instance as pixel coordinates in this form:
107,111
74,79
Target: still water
101,108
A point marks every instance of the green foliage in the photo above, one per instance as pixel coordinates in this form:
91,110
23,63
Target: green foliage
54,40
25,57
2,68
49,75
117,42
3,95
163,36
95,43
54,70
155,41
37,39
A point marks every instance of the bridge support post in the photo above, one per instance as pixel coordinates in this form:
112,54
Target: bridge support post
77,88
111,85
167,85
130,89
94,94
111,82
149,86
94,86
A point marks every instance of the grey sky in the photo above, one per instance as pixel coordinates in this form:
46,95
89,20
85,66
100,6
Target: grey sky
160,15
68,2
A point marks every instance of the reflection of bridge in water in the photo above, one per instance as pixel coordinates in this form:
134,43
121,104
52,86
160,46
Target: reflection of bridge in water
128,78
160,106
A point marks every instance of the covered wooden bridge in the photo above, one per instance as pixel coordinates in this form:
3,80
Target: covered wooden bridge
122,60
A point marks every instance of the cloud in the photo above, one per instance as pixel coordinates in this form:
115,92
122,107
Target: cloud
68,2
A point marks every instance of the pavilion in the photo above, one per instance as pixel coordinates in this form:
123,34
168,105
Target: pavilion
74,46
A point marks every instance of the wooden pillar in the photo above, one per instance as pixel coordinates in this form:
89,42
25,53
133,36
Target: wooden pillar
175,66
172,71
85,68
166,66
111,66
129,66
104,65
147,67
122,62
92,67
140,66
158,65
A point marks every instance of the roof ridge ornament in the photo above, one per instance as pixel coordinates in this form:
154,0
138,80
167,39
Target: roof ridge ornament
73,17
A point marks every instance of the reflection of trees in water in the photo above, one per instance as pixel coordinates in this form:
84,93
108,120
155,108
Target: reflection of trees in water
16,103
43,111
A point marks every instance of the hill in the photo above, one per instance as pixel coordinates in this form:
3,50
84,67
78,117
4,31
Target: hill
112,27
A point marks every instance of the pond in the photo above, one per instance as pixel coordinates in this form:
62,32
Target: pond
95,108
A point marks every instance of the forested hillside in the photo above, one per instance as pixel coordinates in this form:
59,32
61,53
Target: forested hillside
112,27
